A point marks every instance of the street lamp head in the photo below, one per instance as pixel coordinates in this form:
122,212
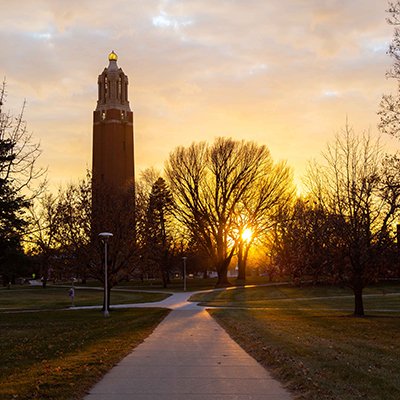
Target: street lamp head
105,235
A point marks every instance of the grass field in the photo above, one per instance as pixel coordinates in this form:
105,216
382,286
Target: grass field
193,284
317,350
61,354
378,297
27,297
304,335
176,285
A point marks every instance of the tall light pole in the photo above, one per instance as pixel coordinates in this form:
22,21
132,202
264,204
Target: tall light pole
104,237
184,273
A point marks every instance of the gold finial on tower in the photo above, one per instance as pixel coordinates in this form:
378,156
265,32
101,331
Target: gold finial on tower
112,56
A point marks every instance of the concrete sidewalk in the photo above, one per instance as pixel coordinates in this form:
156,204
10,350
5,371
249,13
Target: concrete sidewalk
188,357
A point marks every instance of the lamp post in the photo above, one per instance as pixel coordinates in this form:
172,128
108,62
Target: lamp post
184,273
104,237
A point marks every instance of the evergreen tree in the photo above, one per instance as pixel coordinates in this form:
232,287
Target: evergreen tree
158,240
12,223
18,171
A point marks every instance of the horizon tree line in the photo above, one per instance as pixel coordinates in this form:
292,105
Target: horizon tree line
340,232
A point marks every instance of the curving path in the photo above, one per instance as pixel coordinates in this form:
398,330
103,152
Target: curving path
187,357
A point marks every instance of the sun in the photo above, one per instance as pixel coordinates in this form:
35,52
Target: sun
247,234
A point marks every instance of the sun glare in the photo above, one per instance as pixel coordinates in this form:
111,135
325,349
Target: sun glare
247,234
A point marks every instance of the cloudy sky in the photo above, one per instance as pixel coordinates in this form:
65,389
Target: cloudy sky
285,73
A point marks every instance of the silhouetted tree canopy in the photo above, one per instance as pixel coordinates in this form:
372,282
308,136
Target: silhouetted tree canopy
217,187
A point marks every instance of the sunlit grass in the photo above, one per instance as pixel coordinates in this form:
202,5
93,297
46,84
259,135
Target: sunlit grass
310,341
176,285
193,284
377,297
322,355
61,354
24,297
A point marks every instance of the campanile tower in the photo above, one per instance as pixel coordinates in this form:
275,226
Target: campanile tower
113,162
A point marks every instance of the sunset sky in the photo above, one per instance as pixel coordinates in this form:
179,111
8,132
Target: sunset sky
285,73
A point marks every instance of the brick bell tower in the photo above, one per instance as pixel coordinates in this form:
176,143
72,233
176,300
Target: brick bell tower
113,161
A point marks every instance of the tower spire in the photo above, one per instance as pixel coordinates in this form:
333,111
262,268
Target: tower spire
112,87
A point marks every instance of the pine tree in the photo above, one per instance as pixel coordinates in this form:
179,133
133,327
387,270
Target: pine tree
18,172
158,213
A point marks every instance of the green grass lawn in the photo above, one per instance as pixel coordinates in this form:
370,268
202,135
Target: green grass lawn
377,297
28,297
193,284
309,340
176,285
61,354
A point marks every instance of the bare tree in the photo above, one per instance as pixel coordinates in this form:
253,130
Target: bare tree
389,110
60,231
257,212
209,184
64,227
74,232
306,242
352,187
113,211
44,222
19,163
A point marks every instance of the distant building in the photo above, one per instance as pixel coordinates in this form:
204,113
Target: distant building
113,162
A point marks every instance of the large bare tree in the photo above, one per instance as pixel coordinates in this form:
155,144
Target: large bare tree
357,187
43,238
211,185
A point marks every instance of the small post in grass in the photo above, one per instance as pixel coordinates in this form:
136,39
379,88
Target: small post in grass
104,237
72,294
184,273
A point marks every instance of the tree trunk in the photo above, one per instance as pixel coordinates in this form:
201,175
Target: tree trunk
6,279
241,264
165,269
222,271
358,302
45,272
164,276
84,274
